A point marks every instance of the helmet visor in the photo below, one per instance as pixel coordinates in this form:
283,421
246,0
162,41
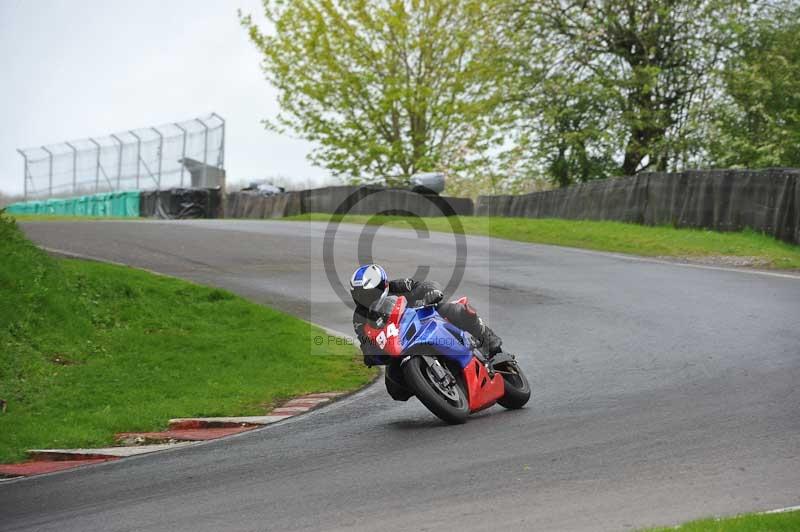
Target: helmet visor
366,297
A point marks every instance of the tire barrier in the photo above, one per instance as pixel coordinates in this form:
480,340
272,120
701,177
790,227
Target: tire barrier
351,199
111,204
181,203
767,201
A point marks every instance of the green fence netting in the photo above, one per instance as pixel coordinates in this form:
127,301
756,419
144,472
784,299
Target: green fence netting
116,204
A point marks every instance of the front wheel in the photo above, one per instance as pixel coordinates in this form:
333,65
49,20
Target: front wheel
437,388
518,390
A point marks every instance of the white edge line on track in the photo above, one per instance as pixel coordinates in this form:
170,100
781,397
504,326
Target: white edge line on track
782,510
682,264
345,399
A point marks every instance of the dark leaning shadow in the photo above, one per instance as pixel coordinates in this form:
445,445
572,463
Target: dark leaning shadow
422,422
428,421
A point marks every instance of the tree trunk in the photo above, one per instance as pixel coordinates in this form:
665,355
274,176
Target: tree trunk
633,156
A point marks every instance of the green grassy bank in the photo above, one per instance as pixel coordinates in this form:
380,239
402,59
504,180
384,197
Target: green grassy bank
90,349
608,236
780,522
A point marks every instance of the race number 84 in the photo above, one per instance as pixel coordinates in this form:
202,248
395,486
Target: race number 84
382,338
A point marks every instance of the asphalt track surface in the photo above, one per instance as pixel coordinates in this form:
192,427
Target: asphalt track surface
661,393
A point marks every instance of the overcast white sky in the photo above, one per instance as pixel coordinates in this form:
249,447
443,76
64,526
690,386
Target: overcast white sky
77,68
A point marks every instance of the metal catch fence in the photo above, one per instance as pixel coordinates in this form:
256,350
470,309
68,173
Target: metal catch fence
171,155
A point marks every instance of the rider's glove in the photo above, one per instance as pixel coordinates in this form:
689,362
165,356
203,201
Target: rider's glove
432,297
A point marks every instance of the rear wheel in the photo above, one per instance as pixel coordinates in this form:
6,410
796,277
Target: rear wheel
518,390
437,388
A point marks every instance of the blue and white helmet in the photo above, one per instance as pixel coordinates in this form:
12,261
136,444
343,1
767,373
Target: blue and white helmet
368,284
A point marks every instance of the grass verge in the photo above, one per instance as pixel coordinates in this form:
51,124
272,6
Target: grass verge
779,522
90,349
634,239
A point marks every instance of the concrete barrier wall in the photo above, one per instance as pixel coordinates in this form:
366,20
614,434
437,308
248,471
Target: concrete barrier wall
344,200
724,200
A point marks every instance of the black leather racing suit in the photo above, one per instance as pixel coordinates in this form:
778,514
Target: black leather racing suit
462,316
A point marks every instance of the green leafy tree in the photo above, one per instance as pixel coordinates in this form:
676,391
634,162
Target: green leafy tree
758,121
385,88
614,85
572,135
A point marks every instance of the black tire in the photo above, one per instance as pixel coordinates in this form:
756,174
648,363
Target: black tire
395,390
453,412
518,390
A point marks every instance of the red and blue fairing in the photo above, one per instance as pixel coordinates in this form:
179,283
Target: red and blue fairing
422,329
408,328
425,327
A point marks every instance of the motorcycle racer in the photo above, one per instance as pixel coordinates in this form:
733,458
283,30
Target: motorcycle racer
369,285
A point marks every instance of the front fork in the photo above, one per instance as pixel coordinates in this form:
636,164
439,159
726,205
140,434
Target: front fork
443,375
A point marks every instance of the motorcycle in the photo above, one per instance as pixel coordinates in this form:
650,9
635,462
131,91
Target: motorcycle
430,358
